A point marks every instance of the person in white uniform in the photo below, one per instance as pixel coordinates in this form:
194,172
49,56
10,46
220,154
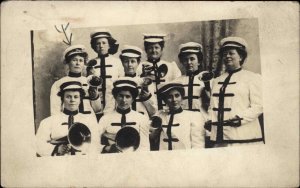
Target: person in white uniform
75,58
161,71
52,134
197,91
125,91
105,65
236,100
180,129
146,102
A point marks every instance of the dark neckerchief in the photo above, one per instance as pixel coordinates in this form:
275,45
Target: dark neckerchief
103,76
123,118
154,61
193,73
177,111
130,75
234,71
68,112
221,104
74,75
170,124
70,122
191,87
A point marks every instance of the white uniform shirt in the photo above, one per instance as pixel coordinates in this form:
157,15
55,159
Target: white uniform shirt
173,72
114,69
244,99
55,100
110,125
192,100
56,126
187,128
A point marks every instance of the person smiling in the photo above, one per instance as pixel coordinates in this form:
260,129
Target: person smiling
125,92
52,133
181,129
236,101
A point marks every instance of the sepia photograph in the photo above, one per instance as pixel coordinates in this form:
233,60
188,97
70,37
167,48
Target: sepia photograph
149,94
189,85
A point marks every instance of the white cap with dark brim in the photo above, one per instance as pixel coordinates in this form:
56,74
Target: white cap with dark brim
75,49
72,85
190,47
165,88
131,51
154,38
236,42
100,33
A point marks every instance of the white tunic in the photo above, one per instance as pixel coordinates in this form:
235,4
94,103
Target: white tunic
114,69
192,100
110,125
55,100
173,72
56,126
187,128
244,99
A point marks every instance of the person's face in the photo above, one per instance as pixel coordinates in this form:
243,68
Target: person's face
102,46
231,59
71,100
154,51
76,64
174,99
190,62
124,100
130,65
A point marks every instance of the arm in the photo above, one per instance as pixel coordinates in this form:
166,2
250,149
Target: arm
42,136
255,97
55,101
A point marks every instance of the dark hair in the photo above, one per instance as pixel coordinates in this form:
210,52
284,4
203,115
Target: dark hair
137,58
199,56
164,96
134,91
113,46
242,53
84,55
147,44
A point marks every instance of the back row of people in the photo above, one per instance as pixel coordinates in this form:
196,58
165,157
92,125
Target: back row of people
132,93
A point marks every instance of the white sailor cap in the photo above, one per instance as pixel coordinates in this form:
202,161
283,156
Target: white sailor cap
125,82
190,47
75,49
236,42
100,33
131,51
163,89
154,38
70,86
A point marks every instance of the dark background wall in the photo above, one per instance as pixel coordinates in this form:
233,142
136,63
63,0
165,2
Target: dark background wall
48,49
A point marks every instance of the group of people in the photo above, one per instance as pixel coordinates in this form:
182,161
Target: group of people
125,104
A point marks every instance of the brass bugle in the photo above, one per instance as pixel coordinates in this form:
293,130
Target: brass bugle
79,136
162,70
126,138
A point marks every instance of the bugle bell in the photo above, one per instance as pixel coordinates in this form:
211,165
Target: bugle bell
94,83
127,139
206,76
90,67
162,70
79,137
